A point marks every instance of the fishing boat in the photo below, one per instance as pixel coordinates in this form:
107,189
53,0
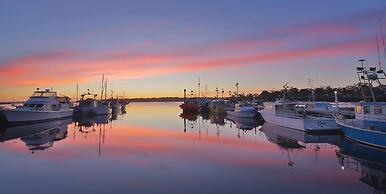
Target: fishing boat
243,110
190,104
369,124
41,106
293,114
88,105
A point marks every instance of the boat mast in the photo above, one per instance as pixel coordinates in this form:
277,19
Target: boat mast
237,90
184,94
106,89
199,88
367,75
103,77
77,92
312,97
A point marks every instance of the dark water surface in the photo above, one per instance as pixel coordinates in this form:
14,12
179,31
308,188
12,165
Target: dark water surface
153,149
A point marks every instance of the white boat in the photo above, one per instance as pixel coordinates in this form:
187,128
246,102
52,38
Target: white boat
294,115
42,105
243,110
88,105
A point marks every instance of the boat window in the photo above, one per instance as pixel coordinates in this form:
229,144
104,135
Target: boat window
377,109
358,109
366,109
39,105
29,105
54,107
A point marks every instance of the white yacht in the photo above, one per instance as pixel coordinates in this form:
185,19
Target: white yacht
298,116
88,105
243,110
42,105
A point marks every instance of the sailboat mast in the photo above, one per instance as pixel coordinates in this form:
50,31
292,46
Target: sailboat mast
106,89
103,77
77,92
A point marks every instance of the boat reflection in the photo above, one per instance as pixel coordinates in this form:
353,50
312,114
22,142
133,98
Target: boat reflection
37,136
291,140
91,124
244,123
370,162
88,123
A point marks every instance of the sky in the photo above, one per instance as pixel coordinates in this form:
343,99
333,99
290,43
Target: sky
158,48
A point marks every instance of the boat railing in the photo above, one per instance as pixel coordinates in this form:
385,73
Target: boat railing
341,119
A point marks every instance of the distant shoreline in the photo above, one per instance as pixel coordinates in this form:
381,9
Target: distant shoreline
162,99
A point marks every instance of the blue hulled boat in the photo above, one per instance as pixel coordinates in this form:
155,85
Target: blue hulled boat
369,124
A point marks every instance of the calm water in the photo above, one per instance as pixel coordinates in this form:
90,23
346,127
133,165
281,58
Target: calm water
154,149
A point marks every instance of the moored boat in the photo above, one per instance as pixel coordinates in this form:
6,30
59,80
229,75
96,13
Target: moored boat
41,106
369,124
88,105
190,106
243,110
292,114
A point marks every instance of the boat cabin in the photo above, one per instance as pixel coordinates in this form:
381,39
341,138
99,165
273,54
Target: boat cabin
289,109
45,100
371,111
319,106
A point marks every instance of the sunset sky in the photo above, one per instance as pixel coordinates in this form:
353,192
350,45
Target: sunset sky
158,48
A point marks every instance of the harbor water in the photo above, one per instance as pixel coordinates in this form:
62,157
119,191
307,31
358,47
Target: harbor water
153,148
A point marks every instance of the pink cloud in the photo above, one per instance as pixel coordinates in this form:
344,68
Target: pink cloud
71,66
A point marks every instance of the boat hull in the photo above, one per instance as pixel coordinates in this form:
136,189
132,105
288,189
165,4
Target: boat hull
20,116
187,107
100,110
365,136
302,124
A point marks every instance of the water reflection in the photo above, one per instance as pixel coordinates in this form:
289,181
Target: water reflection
291,141
192,119
37,136
154,143
368,161
95,124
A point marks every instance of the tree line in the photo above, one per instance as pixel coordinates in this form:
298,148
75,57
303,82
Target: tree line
345,94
